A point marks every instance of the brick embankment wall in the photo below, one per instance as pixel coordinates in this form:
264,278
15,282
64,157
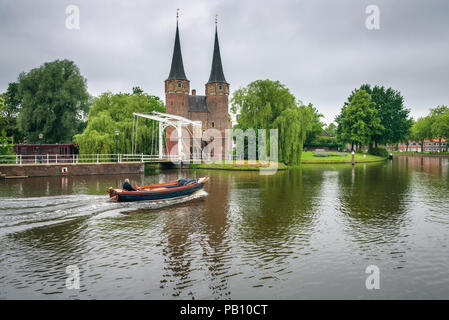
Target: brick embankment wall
400,154
44,170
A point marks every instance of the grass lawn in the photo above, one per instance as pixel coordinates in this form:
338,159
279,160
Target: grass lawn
307,157
236,165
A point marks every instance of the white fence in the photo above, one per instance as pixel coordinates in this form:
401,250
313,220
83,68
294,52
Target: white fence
77,158
91,158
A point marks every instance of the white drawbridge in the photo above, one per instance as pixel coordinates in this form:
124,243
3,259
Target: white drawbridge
165,120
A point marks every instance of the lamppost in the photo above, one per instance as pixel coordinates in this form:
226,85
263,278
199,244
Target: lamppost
116,142
41,136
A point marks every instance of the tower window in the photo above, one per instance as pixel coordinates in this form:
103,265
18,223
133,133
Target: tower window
220,87
179,85
213,124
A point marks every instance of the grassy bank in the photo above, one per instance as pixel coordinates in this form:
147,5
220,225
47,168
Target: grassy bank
237,165
308,157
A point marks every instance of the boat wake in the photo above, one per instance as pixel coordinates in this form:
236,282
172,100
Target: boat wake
19,214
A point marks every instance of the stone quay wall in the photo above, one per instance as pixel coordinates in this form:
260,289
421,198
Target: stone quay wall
67,169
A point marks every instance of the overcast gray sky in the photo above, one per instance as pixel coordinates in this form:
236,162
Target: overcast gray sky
321,50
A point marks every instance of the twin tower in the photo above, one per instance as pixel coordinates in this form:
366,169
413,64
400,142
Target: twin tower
212,108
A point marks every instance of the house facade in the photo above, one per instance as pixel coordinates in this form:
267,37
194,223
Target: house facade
430,145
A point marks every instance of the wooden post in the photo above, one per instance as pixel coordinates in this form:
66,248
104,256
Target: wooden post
20,159
56,158
98,158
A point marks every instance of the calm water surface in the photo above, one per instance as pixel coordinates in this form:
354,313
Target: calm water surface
305,233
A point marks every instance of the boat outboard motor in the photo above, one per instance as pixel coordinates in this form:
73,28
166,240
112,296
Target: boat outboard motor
186,181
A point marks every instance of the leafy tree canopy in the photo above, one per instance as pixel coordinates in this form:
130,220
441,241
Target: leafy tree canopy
316,126
293,124
260,103
358,121
331,129
112,112
421,129
51,100
8,117
394,117
439,118
266,104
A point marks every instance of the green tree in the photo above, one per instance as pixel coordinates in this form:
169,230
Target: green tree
111,112
421,130
440,123
293,124
394,117
51,100
260,103
331,129
316,126
9,113
358,121
5,146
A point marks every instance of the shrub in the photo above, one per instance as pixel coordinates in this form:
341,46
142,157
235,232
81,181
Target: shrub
379,151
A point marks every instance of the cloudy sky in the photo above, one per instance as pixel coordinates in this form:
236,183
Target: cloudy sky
321,50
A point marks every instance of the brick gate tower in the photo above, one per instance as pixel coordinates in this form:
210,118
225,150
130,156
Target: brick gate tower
211,109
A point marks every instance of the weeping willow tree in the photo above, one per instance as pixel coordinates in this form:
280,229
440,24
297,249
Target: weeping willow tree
113,112
293,124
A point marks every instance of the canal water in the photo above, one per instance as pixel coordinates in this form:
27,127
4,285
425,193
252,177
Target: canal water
300,234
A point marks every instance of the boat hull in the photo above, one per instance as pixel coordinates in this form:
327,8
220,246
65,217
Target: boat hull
158,194
127,197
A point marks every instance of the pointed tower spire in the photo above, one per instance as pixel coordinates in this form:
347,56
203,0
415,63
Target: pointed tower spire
177,67
216,73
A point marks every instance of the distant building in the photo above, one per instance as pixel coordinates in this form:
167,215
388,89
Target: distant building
38,149
41,153
429,146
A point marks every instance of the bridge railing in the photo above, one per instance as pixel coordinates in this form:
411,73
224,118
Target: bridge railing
91,158
77,158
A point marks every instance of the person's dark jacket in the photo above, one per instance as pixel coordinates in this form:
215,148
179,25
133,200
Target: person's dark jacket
128,187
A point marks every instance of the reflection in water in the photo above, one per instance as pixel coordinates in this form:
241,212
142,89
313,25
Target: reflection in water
274,220
304,233
374,200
